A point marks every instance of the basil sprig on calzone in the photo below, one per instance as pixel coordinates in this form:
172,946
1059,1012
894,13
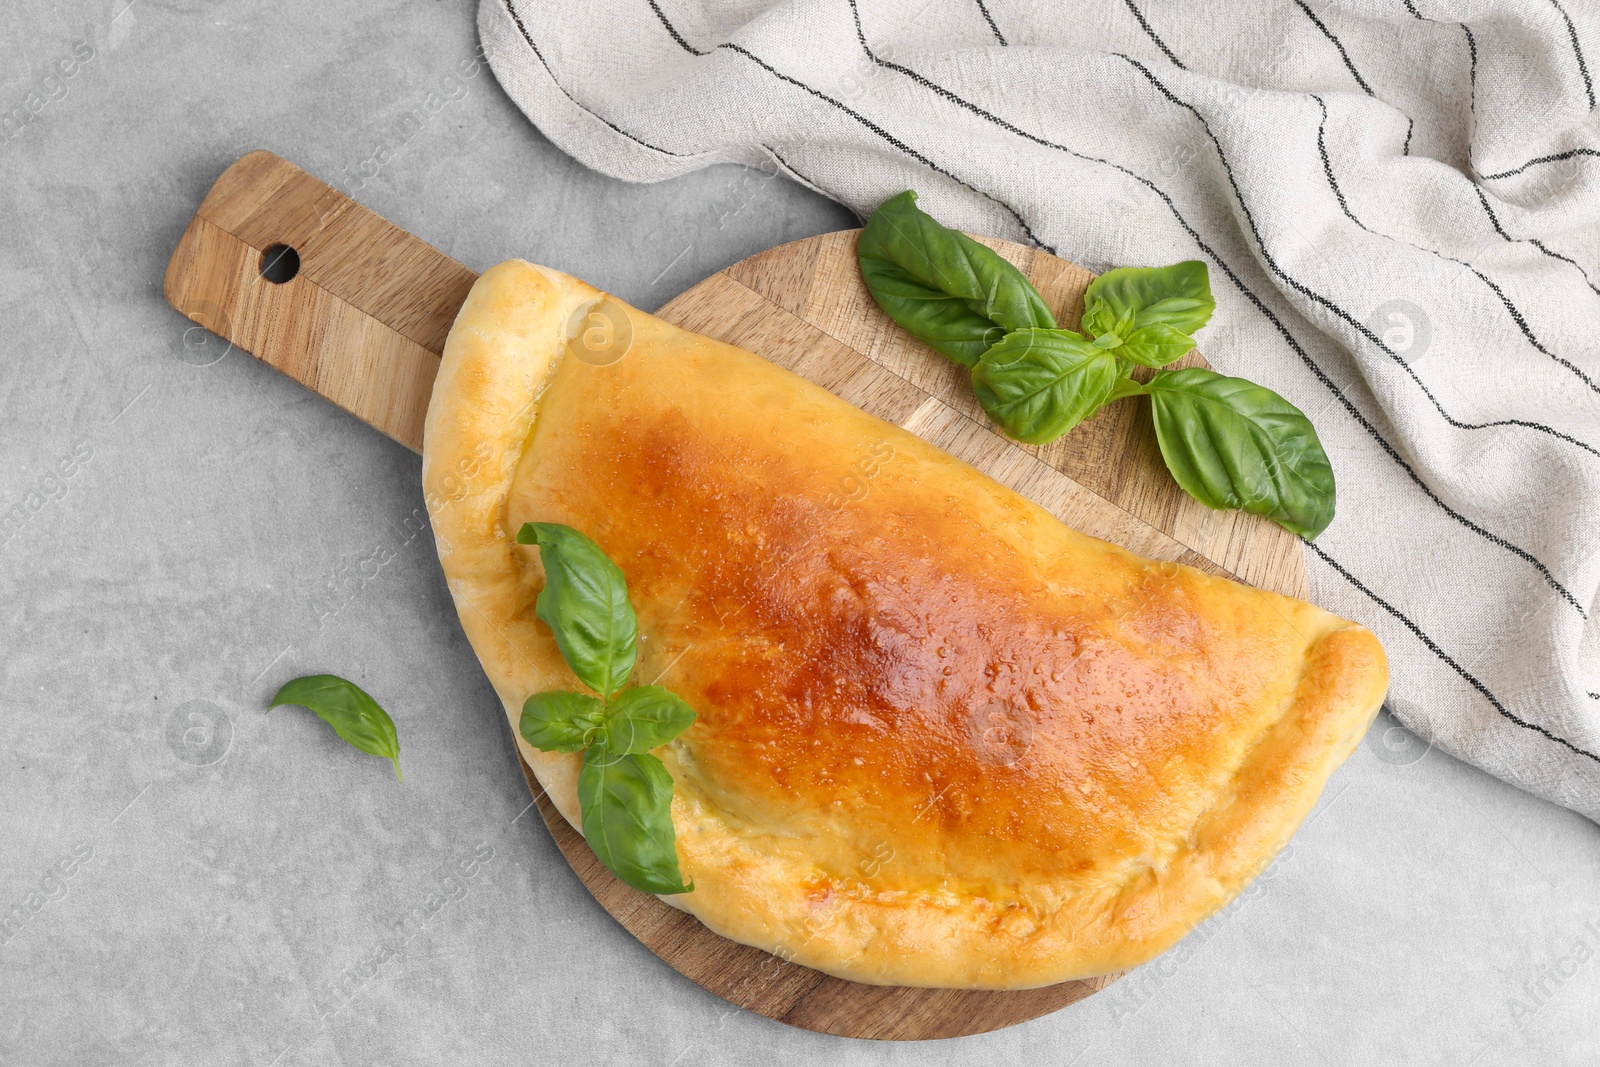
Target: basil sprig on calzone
624,792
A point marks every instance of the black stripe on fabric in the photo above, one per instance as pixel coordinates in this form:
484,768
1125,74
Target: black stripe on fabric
1411,126
1540,245
1527,332
1433,646
846,109
1472,49
1494,220
1556,158
1327,165
1594,696
1144,24
1515,312
1472,52
990,20
1288,337
526,36
887,136
1348,65
1577,50
1365,330
673,30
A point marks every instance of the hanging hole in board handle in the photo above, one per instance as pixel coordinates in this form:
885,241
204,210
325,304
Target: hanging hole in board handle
279,263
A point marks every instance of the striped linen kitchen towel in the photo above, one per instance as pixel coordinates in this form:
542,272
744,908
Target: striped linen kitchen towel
1397,201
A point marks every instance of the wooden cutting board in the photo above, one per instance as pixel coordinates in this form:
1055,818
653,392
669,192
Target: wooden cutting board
356,309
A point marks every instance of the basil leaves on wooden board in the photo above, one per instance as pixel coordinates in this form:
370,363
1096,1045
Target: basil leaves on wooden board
624,792
1233,444
1038,384
347,708
1148,315
1229,443
956,295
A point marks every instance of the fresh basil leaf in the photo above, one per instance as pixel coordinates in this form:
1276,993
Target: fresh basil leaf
1128,299
1234,444
562,722
347,708
943,323
585,604
626,802
1155,345
645,717
1038,384
951,292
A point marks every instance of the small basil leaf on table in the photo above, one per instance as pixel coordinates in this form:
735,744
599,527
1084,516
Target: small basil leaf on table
1038,384
645,717
627,818
585,604
347,708
1128,299
1233,444
954,294
561,722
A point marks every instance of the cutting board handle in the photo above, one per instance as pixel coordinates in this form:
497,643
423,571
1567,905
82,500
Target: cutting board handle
305,279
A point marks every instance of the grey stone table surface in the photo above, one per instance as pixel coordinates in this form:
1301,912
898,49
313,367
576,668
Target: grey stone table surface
187,880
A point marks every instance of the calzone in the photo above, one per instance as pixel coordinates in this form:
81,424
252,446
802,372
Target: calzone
942,739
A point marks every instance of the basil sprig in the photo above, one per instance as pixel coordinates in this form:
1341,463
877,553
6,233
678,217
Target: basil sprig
951,292
1229,443
347,708
1148,315
624,792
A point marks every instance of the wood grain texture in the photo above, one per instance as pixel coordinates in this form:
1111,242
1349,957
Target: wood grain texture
363,324
364,320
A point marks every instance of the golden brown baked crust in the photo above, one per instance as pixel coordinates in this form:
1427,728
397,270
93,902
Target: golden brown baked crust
943,740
